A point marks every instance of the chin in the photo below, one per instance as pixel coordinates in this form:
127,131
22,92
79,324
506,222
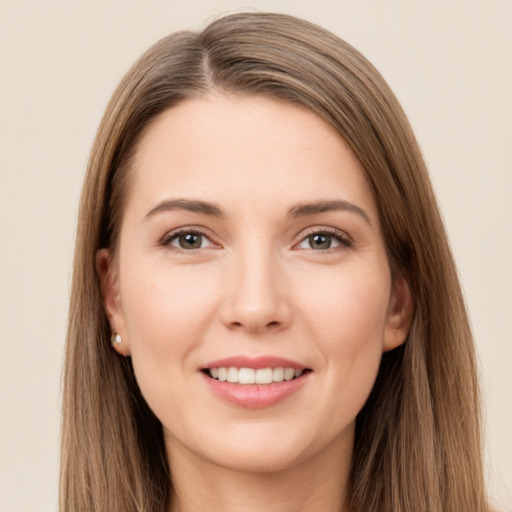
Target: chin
257,461
262,449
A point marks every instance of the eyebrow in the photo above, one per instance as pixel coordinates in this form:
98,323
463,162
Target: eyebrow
296,211
305,209
189,205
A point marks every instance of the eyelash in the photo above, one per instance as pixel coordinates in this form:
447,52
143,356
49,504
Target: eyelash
340,237
175,235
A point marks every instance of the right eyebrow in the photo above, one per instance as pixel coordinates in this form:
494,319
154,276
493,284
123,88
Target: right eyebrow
190,205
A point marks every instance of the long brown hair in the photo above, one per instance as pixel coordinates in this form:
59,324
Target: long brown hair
417,445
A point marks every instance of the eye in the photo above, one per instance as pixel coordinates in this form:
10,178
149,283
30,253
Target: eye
187,240
324,240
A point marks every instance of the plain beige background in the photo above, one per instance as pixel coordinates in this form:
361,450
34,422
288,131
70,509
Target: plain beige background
450,64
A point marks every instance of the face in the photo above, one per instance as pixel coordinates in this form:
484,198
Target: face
251,285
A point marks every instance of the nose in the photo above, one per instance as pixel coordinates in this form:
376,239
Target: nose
255,295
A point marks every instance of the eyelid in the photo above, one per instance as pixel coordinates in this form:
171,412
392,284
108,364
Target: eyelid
175,233
341,236
345,240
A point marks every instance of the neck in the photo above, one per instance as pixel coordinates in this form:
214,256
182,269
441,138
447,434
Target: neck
318,483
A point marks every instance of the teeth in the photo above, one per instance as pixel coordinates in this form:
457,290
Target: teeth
289,373
245,375
264,376
278,374
252,376
232,374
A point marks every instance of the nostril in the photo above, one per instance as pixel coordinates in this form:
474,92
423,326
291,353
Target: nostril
269,324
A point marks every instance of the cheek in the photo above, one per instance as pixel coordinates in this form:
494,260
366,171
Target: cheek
166,311
348,309
347,320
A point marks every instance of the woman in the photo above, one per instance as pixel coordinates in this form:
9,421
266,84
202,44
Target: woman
265,312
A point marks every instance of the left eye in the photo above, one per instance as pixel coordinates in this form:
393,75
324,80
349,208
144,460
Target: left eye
323,241
189,240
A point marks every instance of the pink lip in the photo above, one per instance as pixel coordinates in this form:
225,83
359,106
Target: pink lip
255,362
255,396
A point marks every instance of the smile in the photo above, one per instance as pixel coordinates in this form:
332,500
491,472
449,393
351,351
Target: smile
255,383
253,376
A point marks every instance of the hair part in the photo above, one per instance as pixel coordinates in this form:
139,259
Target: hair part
417,441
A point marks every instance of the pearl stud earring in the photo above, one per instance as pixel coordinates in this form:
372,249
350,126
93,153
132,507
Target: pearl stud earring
116,340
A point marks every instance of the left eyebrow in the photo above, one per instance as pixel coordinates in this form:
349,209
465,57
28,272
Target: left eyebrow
305,209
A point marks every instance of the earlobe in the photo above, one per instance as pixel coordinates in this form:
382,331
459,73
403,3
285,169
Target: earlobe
400,314
109,283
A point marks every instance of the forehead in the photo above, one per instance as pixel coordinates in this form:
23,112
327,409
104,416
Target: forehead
259,151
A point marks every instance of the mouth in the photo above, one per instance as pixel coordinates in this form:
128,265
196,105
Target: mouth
255,382
261,376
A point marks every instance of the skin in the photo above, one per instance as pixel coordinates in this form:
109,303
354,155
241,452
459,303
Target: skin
258,285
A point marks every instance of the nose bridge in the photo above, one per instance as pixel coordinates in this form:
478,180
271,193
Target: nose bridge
256,298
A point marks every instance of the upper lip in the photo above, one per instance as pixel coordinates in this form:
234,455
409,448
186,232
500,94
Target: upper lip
266,361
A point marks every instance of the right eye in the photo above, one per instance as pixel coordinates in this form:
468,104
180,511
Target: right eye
188,240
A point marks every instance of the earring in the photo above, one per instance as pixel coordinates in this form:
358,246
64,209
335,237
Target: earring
116,340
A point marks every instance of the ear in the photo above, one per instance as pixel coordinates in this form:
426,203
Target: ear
400,313
109,283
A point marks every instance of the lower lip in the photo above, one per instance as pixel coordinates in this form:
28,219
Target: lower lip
255,396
